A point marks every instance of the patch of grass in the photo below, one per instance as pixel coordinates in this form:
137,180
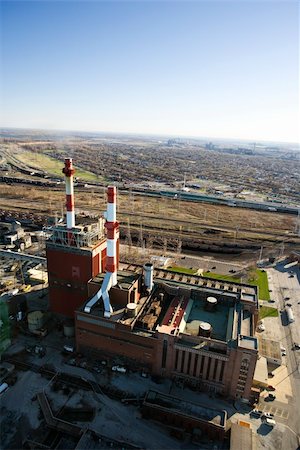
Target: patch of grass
217,276
259,278
182,270
52,165
267,311
256,277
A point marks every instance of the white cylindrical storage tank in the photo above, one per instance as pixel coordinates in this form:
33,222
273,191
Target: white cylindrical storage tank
131,309
69,328
148,275
205,329
290,314
211,303
36,320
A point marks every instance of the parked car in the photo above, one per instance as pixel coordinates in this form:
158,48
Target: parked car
271,301
68,349
271,397
269,422
271,375
297,346
267,416
270,388
118,369
256,413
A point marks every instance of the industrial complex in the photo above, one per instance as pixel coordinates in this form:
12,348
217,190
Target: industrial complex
194,329
119,318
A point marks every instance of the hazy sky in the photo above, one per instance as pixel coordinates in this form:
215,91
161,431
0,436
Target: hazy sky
194,68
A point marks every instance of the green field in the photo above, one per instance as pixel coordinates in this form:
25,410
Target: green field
266,311
259,278
255,277
52,165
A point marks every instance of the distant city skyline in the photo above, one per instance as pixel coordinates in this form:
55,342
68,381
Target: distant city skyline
218,69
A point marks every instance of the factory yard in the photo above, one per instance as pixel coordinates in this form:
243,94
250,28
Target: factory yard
115,420
112,419
158,353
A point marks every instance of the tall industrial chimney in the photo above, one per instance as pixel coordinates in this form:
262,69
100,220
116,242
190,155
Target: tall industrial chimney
69,171
112,227
110,278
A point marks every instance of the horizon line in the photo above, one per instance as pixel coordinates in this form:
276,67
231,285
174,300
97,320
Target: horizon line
149,134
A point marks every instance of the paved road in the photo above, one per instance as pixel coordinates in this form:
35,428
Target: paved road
283,286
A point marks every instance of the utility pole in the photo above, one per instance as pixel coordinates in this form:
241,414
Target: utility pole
128,236
297,223
260,254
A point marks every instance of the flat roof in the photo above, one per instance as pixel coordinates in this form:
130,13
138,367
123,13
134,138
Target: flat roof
241,437
261,371
249,342
177,405
125,278
221,319
269,348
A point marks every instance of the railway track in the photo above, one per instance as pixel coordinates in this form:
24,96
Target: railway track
188,227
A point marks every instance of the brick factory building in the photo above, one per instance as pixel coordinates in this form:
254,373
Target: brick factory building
194,329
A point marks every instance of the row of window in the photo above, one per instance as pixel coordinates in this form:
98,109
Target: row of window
212,365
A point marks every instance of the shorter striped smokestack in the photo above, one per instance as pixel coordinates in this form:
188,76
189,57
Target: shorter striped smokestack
110,278
112,227
69,171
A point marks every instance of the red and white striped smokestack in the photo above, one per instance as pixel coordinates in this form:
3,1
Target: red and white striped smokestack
112,227
69,171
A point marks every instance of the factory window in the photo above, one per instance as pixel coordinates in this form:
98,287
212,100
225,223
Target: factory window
245,365
195,365
182,361
222,371
164,354
215,369
176,358
189,363
208,367
202,364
